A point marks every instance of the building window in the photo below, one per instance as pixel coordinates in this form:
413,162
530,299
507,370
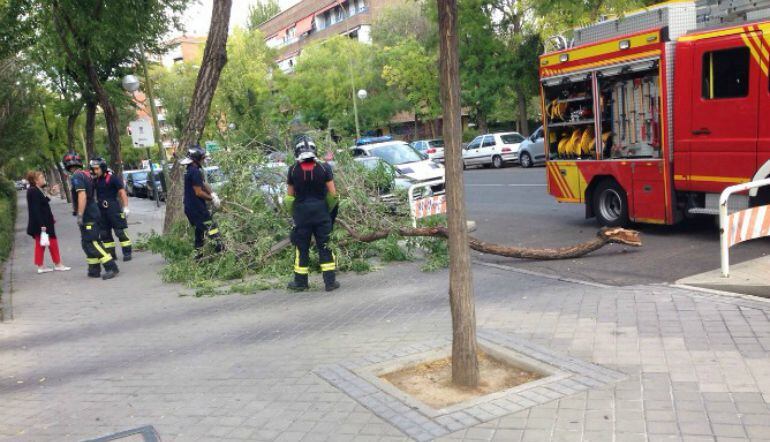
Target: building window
340,12
725,74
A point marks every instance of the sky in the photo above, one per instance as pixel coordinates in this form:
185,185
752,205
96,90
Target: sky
198,16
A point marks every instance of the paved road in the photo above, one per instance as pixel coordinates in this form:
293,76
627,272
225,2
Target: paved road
512,206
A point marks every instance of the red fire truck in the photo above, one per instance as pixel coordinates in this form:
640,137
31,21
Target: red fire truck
650,116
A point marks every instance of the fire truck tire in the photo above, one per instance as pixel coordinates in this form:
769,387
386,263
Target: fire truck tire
610,204
525,160
497,161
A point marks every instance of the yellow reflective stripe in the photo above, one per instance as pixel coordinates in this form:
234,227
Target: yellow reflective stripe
106,257
302,270
213,232
125,243
91,261
109,245
88,226
328,267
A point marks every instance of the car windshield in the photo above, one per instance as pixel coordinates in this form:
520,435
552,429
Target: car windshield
139,176
214,176
511,138
436,143
397,153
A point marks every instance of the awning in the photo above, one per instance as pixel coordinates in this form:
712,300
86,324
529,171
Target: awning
337,3
304,25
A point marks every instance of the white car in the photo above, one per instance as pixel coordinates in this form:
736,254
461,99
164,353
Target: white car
493,150
434,149
406,160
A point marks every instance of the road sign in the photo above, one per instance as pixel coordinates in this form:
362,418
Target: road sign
212,146
141,133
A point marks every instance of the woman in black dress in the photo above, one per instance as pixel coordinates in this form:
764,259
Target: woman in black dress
41,220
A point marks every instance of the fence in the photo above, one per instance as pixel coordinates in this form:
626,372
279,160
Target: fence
742,225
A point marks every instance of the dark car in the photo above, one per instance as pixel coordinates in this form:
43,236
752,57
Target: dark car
136,183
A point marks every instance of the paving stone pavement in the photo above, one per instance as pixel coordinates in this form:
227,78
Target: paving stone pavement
86,358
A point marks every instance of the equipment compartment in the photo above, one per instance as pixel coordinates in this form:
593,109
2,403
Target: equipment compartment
570,122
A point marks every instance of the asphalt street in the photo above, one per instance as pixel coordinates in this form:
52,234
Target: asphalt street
512,206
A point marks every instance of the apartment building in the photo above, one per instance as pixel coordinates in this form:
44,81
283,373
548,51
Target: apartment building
313,20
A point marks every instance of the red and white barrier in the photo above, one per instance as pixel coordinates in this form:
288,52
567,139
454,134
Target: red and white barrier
426,206
742,225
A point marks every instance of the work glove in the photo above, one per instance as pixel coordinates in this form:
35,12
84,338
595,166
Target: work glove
80,220
332,201
288,203
126,211
215,200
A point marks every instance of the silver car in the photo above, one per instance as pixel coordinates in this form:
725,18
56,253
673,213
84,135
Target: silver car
532,149
434,149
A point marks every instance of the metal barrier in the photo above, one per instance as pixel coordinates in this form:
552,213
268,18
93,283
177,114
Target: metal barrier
741,225
426,206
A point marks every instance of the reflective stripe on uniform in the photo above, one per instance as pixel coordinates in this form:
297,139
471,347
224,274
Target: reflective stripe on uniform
106,257
109,245
92,261
297,268
328,267
213,232
88,226
125,243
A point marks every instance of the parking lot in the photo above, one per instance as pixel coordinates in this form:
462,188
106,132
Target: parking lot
512,206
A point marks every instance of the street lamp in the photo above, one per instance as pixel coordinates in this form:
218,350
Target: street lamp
130,83
362,94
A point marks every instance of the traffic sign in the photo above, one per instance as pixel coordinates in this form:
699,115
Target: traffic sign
141,133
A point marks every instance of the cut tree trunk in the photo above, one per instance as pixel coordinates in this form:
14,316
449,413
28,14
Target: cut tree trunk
465,367
90,127
214,59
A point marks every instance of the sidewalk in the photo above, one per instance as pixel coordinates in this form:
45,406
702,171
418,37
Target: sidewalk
747,278
87,358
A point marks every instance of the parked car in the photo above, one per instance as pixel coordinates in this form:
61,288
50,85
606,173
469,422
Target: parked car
136,183
494,150
389,179
532,149
270,181
21,184
214,177
406,161
433,148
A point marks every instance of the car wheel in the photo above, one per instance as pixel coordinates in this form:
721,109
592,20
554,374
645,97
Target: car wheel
610,204
525,160
497,161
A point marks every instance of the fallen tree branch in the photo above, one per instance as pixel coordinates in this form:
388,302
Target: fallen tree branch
605,236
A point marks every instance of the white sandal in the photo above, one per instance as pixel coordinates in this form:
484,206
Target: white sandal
62,268
44,270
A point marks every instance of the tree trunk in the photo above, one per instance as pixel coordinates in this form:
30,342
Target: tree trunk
65,183
481,121
465,367
214,59
521,99
72,120
90,127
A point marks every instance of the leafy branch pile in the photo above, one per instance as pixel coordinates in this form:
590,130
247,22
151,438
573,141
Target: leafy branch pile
255,227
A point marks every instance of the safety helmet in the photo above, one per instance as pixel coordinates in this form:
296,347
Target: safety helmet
98,162
195,153
305,150
72,159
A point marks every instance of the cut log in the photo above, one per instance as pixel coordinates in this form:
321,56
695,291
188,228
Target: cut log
604,237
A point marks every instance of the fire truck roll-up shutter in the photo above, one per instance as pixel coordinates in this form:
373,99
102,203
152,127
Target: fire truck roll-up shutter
608,71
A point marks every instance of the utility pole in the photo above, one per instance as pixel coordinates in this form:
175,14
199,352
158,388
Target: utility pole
353,94
465,367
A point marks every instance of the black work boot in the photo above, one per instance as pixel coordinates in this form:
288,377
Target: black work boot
126,255
94,271
299,284
330,281
110,270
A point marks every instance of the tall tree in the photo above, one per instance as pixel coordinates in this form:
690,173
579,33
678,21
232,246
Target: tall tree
465,368
214,60
261,12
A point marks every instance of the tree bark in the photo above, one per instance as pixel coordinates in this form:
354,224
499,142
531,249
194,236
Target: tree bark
214,59
604,237
465,367
72,120
111,119
481,121
521,99
90,127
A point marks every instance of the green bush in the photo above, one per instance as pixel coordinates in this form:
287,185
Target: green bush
7,218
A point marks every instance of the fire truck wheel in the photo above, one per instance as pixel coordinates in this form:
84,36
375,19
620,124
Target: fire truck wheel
497,162
610,204
525,160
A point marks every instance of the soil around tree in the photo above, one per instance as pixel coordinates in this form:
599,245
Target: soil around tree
431,382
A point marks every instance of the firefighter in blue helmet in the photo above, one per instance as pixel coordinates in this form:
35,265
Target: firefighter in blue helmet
113,204
312,201
88,216
196,193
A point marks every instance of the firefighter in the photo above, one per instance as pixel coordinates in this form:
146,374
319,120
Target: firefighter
88,216
311,198
113,204
196,193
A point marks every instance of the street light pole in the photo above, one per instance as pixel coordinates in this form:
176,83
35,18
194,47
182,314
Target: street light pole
355,102
155,126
